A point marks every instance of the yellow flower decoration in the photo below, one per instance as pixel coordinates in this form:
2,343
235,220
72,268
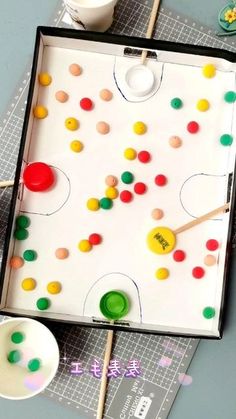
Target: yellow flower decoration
230,15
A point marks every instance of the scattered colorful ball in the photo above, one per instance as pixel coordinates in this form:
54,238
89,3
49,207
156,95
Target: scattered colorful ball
144,156
103,127
226,139
198,272
162,273
106,95
17,337
72,124
44,79
54,287
86,104
210,260
22,221
127,177
75,69
106,203
176,103
175,141
230,97
209,312
14,356
130,154
40,112
203,105
140,188
76,146
93,204
21,234
212,245
160,180
139,128
30,255
43,303
84,246
157,214
179,255
111,192
126,196
61,253
34,364
16,262
95,239
28,284
61,96
209,71
193,127
111,180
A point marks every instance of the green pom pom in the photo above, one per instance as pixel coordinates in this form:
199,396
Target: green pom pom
30,255
34,364
14,357
230,97
106,203
21,234
43,303
176,103
209,312
226,139
127,177
22,221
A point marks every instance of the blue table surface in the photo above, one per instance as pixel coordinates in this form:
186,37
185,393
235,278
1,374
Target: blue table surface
212,392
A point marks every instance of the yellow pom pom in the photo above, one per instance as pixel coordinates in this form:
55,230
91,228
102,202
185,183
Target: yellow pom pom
44,79
130,154
84,246
28,284
54,287
111,192
93,204
76,146
209,70
72,124
40,112
203,105
139,128
162,273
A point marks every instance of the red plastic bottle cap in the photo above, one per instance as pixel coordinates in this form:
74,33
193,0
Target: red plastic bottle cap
38,177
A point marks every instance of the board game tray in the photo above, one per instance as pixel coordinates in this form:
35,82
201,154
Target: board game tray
172,152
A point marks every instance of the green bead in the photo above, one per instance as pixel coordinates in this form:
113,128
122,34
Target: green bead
22,221
127,177
21,234
30,255
34,364
226,139
43,303
176,103
209,312
14,357
230,97
17,337
106,203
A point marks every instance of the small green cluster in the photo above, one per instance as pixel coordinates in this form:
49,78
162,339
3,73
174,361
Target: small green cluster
15,355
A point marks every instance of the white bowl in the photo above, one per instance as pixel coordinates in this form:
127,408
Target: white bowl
17,382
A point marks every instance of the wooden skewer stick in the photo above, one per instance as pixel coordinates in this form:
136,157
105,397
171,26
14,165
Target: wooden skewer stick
202,218
6,183
153,15
107,356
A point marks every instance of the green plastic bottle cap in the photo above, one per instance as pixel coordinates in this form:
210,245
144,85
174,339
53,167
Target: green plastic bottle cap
17,337
114,305
34,364
14,357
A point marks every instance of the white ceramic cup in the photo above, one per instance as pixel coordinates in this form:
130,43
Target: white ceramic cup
95,15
